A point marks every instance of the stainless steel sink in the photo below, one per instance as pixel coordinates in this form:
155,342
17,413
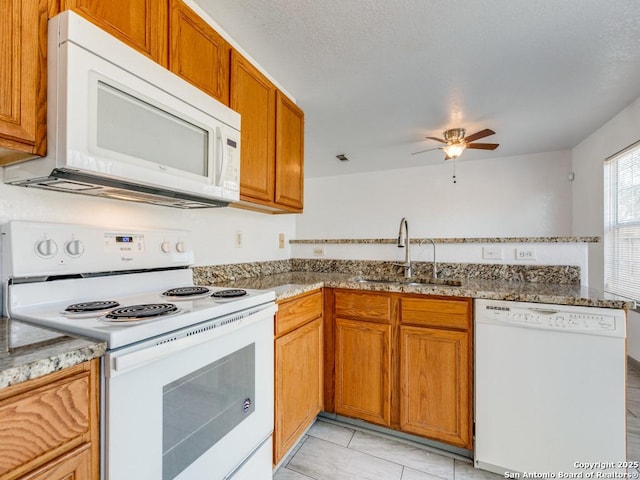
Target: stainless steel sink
411,282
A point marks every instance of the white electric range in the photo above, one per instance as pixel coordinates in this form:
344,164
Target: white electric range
189,368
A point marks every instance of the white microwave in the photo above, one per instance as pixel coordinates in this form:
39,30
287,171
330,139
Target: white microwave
122,126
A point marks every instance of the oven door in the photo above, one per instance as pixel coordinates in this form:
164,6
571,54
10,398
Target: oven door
192,405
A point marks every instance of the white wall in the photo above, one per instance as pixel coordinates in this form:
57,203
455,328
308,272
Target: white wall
588,193
214,229
527,195
588,188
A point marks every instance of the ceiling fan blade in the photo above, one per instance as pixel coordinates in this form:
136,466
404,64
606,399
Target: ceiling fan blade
436,139
427,150
478,135
483,146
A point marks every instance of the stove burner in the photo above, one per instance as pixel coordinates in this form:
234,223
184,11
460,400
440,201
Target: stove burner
230,293
148,310
91,306
185,291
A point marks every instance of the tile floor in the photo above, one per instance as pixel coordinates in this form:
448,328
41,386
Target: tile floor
335,452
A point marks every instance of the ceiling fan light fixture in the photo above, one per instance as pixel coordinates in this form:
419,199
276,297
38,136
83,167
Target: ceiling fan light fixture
454,150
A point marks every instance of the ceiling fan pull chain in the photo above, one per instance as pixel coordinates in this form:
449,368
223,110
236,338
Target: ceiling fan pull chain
454,171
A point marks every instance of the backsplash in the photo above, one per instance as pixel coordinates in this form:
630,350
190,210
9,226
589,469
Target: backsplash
561,274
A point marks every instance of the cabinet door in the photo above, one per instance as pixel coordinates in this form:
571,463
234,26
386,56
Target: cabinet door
298,384
289,154
435,373
74,465
198,53
23,79
362,352
254,97
142,24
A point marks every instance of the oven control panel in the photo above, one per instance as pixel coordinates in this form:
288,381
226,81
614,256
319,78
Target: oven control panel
40,249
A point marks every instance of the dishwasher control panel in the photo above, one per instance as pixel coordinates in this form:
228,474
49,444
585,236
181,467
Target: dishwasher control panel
552,317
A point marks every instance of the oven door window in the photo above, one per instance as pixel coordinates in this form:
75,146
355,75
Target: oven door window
200,408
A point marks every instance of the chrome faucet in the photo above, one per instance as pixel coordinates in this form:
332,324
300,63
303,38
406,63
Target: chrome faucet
434,275
405,243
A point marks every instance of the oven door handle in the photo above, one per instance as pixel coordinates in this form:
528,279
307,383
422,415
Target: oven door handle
135,359
119,362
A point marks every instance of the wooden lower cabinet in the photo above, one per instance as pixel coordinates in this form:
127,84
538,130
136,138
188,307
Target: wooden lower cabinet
404,361
435,384
363,354
298,370
49,426
76,465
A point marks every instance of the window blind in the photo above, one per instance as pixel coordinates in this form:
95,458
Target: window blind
622,223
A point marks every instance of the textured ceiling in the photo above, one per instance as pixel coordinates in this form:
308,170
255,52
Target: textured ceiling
375,77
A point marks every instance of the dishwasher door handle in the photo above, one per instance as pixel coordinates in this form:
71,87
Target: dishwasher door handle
545,311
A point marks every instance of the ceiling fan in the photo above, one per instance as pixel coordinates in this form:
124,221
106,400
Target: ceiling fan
456,142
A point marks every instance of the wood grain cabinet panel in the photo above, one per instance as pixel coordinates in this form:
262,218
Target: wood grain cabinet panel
23,79
435,312
298,311
362,370
75,465
47,422
198,53
299,365
435,384
142,24
289,154
254,97
272,154
363,305
298,380
404,361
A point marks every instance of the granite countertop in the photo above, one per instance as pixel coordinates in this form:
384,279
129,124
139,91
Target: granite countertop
289,284
28,352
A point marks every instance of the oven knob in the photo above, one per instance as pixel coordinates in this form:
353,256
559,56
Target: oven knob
46,248
165,247
74,248
180,247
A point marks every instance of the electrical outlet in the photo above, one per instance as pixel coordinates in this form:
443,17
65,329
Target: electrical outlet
318,251
237,239
526,253
281,240
492,253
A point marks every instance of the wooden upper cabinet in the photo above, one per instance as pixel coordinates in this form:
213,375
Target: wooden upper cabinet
254,97
142,24
198,53
272,153
289,153
23,79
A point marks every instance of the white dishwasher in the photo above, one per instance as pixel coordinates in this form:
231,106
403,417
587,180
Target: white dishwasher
549,388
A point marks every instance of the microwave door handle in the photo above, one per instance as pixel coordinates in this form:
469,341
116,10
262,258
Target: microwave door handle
220,158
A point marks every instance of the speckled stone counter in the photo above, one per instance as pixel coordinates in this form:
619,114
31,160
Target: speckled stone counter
421,241
28,352
290,284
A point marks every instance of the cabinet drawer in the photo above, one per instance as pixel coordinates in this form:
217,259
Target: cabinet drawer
298,311
436,312
49,419
363,305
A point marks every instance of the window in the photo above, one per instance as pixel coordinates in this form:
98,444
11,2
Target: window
622,223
